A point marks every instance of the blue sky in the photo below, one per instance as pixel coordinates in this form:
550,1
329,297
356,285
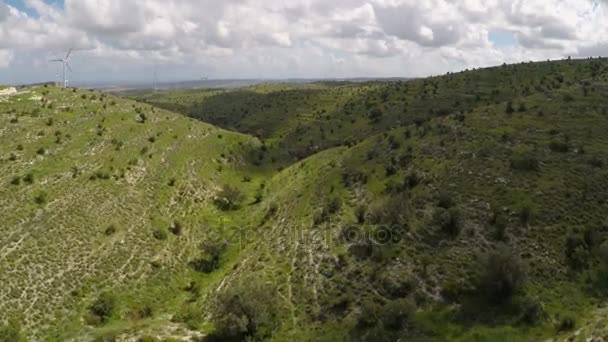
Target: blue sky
20,5
502,39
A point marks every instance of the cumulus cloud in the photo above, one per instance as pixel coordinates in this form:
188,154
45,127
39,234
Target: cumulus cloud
298,38
6,56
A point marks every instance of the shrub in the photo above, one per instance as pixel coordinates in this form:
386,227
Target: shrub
567,323
11,332
29,178
412,180
330,208
397,314
501,274
41,198
391,210
532,311
102,309
525,214
524,161
576,252
210,259
450,221
176,228
110,230
445,200
229,198
16,180
246,311
509,109
369,314
160,234
351,177
559,146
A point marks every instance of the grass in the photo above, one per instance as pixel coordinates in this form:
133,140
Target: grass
309,161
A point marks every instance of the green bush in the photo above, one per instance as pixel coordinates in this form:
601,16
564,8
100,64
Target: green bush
397,314
41,198
11,332
176,228
102,309
246,311
559,146
524,161
229,198
567,323
160,234
209,261
450,221
501,274
110,230
390,211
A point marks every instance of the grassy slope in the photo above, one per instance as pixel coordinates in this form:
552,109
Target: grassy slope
466,152
462,144
55,257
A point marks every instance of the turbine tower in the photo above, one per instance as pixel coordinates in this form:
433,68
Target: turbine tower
66,67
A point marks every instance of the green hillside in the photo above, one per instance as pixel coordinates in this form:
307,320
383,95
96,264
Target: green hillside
463,207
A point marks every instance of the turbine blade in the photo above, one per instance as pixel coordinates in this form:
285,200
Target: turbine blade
56,60
68,55
67,65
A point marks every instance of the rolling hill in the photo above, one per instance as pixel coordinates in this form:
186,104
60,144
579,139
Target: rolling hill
463,207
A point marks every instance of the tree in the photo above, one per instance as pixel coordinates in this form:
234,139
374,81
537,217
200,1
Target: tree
229,198
248,310
501,274
102,309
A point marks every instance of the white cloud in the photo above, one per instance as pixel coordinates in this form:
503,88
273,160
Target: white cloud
6,56
298,38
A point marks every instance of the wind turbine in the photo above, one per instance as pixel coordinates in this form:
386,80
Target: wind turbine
66,67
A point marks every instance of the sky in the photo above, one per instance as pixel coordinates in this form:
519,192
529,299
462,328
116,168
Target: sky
129,40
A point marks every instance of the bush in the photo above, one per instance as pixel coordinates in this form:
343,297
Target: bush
525,214
211,253
160,234
567,323
559,146
11,332
229,198
445,200
532,311
576,252
509,109
246,311
176,228
524,161
102,309
29,178
110,230
16,180
450,221
332,207
397,314
390,211
501,275
41,198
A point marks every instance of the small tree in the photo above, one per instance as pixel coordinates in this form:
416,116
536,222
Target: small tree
501,274
229,198
102,309
246,311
